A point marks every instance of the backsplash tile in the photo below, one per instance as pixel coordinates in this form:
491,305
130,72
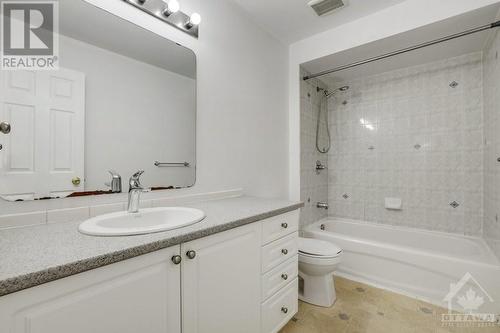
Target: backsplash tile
106,209
22,220
68,215
408,134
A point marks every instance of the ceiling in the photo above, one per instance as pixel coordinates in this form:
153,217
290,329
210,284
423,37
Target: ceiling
87,23
464,45
293,20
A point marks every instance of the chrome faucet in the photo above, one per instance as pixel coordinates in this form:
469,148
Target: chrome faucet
323,205
134,192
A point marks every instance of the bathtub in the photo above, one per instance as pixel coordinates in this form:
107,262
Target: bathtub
417,263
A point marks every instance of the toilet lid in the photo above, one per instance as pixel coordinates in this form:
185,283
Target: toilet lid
317,247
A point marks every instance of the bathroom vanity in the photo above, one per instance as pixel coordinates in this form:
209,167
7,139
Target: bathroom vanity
243,279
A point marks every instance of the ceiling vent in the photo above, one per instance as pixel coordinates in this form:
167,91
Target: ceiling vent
323,7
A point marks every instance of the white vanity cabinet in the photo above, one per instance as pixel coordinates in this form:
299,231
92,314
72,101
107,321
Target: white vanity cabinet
221,283
240,280
141,294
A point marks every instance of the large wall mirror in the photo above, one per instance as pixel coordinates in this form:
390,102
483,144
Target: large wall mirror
124,99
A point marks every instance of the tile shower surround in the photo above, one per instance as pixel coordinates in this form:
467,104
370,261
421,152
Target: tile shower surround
491,67
416,134
314,187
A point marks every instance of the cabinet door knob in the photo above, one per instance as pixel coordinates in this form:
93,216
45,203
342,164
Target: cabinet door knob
284,310
284,225
284,251
191,254
176,259
284,276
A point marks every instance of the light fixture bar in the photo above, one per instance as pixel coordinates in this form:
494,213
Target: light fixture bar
157,8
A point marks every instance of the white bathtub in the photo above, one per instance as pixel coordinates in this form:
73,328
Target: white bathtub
417,263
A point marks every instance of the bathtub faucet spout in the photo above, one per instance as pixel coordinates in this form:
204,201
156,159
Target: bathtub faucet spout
323,205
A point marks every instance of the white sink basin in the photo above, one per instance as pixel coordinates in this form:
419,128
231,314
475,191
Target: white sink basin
146,221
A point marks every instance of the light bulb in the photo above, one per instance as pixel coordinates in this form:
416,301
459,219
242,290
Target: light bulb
173,6
195,19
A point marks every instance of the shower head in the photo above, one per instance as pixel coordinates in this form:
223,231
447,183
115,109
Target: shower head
341,89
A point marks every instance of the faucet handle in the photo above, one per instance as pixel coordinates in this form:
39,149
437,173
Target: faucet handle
137,175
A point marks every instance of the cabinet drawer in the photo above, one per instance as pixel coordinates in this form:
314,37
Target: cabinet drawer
279,277
279,251
279,226
280,308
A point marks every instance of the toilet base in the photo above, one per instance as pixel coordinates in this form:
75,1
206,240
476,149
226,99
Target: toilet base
318,290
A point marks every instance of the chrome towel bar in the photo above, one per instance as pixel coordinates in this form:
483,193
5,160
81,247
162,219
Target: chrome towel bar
169,164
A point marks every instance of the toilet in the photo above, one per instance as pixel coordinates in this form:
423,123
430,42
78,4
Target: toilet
318,259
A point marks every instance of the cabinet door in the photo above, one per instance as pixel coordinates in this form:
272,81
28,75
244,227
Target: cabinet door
136,295
221,284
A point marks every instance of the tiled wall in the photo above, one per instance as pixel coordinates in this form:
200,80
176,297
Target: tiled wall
491,65
314,187
416,135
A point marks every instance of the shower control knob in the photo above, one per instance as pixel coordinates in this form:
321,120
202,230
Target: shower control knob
284,225
284,276
498,159
284,310
176,260
191,254
284,251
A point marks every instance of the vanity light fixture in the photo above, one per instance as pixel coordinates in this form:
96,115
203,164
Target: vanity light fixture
170,13
172,7
194,20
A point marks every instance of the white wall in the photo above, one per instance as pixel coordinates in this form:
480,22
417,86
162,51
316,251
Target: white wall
242,129
491,229
406,16
120,132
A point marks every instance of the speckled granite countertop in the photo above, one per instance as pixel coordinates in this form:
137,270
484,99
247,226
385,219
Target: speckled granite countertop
34,255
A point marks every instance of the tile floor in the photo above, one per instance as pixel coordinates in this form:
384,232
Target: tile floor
365,309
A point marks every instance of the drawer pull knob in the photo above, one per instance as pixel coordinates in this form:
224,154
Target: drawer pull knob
191,254
284,251
284,225
284,310
284,276
176,260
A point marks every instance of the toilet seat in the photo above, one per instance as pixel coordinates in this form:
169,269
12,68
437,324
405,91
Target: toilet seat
318,249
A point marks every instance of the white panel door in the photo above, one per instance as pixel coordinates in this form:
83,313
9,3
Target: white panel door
66,131
21,106
45,149
133,296
221,284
